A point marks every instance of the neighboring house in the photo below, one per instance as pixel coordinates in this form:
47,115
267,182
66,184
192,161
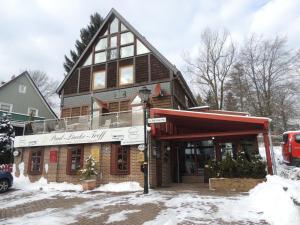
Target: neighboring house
102,116
22,101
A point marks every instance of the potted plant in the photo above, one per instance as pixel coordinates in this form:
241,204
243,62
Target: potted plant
89,174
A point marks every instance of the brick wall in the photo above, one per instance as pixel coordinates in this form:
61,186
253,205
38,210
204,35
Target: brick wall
57,171
135,167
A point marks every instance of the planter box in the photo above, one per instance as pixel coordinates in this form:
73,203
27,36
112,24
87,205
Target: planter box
88,185
233,184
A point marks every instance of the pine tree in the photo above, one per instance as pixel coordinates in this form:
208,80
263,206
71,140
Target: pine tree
90,168
7,134
86,35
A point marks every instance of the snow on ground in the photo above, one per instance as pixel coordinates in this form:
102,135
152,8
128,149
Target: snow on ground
275,201
120,187
120,216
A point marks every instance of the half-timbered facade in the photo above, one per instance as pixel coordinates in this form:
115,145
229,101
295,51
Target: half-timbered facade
115,65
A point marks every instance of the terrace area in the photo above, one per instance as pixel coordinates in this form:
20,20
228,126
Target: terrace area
88,122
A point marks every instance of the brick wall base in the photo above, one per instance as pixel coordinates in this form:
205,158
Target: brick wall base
233,184
56,172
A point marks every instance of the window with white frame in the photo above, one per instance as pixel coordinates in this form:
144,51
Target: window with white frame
126,75
6,107
22,88
33,112
99,80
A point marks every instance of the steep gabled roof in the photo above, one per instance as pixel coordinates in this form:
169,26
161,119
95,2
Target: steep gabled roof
26,74
114,12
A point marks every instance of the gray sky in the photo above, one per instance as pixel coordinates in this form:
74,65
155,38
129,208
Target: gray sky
35,34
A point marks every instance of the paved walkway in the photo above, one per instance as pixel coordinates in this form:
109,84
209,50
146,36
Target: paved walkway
182,204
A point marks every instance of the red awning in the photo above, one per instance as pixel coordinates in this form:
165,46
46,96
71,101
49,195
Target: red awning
189,125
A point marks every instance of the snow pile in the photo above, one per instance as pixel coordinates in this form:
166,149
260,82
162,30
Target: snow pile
22,182
278,199
120,187
120,216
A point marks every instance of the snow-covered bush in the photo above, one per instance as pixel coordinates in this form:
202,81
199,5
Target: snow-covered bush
242,167
90,168
7,135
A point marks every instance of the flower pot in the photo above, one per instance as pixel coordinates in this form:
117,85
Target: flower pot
88,185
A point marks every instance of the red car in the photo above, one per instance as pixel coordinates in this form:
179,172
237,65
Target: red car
291,147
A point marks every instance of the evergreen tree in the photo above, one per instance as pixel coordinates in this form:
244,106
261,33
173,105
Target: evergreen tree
86,35
90,168
7,134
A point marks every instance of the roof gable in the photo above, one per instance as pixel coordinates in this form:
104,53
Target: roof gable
113,13
26,75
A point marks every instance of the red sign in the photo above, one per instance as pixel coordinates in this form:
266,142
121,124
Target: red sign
53,156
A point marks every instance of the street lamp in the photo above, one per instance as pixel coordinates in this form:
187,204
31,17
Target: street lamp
144,94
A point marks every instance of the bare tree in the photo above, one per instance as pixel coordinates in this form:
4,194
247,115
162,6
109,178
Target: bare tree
210,68
46,85
270,70
267,65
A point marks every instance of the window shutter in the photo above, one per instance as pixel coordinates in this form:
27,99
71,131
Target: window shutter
69,159
113,159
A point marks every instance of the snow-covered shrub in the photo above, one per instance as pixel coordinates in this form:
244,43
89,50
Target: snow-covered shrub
7,135
90,168
242,167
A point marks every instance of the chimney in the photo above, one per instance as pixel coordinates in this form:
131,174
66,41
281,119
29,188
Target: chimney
2,83
13,77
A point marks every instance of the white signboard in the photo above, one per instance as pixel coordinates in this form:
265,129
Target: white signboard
157,120
127,136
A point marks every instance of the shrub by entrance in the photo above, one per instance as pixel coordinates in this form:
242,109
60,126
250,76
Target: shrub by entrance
240,174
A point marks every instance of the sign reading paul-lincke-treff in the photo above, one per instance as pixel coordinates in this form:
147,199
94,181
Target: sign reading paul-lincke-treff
126,135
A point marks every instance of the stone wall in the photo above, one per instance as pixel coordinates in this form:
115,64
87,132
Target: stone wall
233,184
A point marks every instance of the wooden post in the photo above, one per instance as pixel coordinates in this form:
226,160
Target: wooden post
218,151
268,153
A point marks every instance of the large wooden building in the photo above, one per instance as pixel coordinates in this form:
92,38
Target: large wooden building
101,115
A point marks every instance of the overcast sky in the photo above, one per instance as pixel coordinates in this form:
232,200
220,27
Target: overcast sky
35,34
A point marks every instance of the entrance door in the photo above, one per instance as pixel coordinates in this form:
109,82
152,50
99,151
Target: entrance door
194,160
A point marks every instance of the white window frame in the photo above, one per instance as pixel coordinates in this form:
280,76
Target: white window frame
23,89
10,106
105,80
30,108
120,74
